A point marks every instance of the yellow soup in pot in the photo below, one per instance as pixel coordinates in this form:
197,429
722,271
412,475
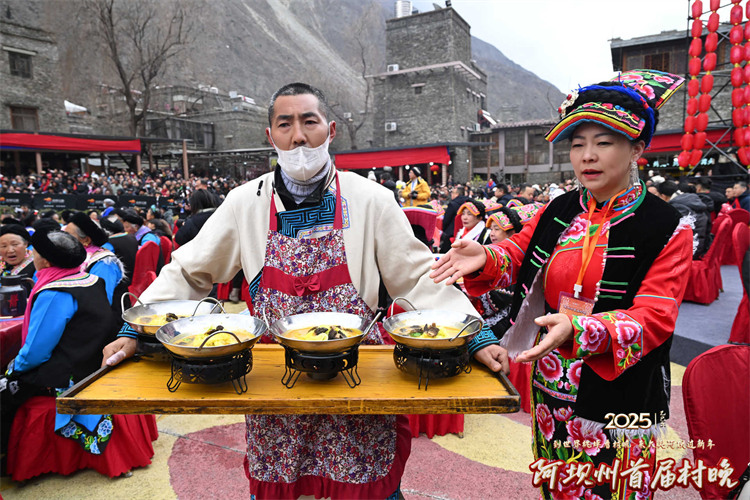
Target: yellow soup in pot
428,331
218,340
328,332
158,319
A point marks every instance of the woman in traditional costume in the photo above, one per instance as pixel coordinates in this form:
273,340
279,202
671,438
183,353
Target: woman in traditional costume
16,256
602,270
472,217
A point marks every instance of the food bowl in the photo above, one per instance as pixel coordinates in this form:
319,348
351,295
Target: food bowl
452,321
282,328
243,329
148,318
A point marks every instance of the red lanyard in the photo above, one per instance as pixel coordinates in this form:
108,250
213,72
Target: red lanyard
589,244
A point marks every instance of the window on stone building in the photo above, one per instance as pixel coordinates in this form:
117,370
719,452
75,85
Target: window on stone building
24,118
20,64
538,148
659,62
418,88
514,140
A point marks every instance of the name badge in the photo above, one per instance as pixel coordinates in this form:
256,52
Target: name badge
576,306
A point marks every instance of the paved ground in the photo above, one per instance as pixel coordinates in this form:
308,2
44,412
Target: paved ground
200,457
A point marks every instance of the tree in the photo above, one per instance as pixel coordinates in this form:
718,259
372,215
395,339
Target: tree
350,114
140,37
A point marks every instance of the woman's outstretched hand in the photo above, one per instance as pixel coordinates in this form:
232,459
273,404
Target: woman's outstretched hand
464,257
559,330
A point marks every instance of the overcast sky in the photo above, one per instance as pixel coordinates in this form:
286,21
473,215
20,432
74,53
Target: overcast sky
566,42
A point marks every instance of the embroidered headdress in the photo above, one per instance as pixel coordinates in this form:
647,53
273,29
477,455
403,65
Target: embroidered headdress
627,104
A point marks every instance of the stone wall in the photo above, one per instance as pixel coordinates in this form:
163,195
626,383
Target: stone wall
43,90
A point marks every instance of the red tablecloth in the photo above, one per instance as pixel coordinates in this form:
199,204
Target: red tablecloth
10,340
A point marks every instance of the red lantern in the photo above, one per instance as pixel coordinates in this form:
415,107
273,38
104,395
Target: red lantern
737,76
742,155
745,136
738,118
707,83
747,11
696,29
694,66
738,99
694,86
695,156
704,102
747,31
735,15
690,123
735,2
739,136
435,168
701,122
696,47
712,41
642,162
692,104
709,62
697,9
687,142
746,93
747,49
700,140
715,4
713,22
736,54
683,159
736,35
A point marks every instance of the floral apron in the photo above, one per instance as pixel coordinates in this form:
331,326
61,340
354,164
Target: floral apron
334,456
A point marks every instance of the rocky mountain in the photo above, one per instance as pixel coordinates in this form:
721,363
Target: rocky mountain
254,46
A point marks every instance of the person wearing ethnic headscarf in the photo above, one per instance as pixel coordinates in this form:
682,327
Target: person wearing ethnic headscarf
600,273
65,328
17,259
99,261
472,217
417,191
133,224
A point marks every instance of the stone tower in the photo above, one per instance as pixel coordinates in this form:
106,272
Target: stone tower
431,90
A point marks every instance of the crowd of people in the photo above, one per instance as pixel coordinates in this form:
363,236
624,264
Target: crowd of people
164,182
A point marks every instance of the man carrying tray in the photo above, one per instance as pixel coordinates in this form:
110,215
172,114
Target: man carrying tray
310,238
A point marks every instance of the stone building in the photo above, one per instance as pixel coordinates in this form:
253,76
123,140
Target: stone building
432,90
31,93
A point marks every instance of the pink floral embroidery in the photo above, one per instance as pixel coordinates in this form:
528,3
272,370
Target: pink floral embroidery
588,495
593,334
563,414
578,432
575,231
545,421
628,333
569,491
574,373
663,79
550,367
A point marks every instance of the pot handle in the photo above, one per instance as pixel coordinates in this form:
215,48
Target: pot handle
390,309
209,299
475,320
220,331
122,300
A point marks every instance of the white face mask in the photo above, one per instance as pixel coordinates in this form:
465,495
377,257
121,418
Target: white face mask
302,162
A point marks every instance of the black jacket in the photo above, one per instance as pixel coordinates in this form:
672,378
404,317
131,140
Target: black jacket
691,204
192,226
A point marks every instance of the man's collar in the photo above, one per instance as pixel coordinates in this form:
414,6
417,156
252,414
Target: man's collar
287,199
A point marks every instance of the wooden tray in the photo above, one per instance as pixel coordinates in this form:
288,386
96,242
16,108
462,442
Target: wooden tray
140,386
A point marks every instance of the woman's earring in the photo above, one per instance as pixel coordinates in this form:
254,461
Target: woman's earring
634,178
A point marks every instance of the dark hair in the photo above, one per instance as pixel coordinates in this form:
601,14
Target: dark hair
502,187
685,187
48,214
202,199
620,99
46,224
704,181
162,228
667,188
298,88
460,190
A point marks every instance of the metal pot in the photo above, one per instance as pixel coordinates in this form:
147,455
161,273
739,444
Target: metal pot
469,326
246,330
134,315
283,326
